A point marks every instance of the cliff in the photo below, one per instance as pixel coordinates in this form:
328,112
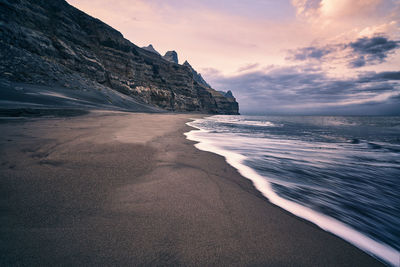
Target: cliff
227,94
54,44
196,76
150,48
171,56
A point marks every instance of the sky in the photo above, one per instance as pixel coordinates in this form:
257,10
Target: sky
308,57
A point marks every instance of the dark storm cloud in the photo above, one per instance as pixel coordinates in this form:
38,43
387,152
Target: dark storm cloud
281,90
373,46
381,76
311,52
371,50
362,52
389,75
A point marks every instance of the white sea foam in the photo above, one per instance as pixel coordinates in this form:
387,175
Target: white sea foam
239,121
253,123
365,243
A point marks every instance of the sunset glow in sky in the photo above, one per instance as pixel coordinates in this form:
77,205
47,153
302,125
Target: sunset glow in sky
277,56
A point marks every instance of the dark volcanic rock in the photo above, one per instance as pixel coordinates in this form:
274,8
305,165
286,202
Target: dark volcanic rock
196,76
171,56
222,100
227,94
150,48
52,43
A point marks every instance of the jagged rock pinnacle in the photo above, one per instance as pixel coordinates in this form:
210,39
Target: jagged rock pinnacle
171,56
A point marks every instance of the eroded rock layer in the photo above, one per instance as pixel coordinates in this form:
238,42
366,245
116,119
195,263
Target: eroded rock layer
52,43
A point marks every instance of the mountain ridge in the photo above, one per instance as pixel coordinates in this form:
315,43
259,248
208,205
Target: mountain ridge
150,48
53,43
171,56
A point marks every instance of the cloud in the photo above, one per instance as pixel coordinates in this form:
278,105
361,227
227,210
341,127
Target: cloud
388,75
371,50
379,77
363,51
345,8
318,10
307,8
390,27
296,89
249,67
311,52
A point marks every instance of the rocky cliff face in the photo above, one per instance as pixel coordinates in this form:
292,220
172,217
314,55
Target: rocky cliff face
196,76
171,56
150,48
227,94
52,43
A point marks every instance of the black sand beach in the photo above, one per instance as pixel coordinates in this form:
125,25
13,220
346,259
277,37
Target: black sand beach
121,189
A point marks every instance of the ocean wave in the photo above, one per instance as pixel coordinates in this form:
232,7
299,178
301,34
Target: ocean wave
377,249
239,121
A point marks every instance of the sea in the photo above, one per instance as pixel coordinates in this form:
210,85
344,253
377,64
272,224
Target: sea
341,173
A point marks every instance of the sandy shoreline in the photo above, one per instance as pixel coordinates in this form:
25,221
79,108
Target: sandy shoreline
129,189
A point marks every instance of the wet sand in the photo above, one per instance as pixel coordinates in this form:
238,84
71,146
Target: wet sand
122,189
